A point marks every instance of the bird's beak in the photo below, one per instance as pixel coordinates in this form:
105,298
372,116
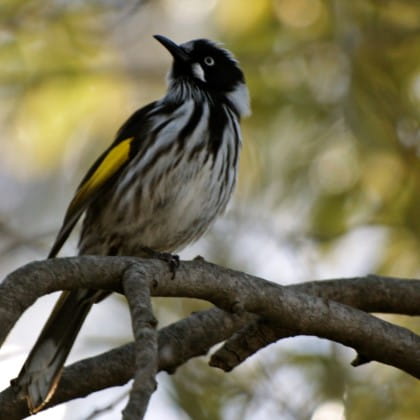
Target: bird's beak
176,51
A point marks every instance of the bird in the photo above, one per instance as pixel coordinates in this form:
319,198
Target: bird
165,178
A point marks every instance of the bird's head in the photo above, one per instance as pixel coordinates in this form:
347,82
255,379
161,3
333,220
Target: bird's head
209,67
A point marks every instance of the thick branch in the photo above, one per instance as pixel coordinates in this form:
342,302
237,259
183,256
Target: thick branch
370,293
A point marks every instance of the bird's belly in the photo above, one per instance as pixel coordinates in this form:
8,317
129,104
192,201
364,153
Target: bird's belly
168,214
181,211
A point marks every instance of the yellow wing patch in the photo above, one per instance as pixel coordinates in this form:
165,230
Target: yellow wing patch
113,161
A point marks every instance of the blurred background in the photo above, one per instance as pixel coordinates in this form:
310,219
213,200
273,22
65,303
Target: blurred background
329,181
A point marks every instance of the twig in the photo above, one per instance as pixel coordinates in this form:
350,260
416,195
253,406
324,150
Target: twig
136,289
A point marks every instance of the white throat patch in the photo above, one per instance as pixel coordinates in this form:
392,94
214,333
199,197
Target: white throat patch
198,72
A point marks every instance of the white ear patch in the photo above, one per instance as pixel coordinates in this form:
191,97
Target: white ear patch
198,72
240,99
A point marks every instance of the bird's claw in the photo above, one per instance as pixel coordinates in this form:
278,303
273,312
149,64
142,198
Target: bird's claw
172,260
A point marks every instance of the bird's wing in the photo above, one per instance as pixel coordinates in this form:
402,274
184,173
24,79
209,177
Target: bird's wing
105,170
99,176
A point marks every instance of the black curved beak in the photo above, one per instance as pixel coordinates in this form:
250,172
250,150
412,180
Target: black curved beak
176,51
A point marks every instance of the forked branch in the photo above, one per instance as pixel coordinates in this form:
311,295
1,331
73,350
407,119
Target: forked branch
253,313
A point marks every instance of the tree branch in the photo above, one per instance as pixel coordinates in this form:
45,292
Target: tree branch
301,309
177,343
371,294
137,290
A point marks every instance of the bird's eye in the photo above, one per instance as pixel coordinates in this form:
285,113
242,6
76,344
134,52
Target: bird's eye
209,61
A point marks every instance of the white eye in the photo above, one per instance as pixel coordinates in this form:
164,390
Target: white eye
209,61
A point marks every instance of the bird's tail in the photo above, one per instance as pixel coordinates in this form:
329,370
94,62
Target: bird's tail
41,372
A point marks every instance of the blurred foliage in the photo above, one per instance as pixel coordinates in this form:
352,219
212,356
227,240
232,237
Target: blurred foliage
333,147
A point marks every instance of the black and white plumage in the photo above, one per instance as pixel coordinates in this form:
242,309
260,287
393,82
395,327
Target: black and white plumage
169,173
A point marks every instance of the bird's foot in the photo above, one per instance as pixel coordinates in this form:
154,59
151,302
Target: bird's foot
171,259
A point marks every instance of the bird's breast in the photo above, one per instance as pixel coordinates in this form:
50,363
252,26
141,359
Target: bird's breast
171,194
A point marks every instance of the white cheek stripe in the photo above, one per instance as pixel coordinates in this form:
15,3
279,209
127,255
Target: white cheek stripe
198,72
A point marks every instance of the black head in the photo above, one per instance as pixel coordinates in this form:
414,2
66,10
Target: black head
204,63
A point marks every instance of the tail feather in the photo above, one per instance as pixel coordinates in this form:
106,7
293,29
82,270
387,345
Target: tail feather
42,370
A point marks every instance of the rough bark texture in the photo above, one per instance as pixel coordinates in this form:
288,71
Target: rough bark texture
251,313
